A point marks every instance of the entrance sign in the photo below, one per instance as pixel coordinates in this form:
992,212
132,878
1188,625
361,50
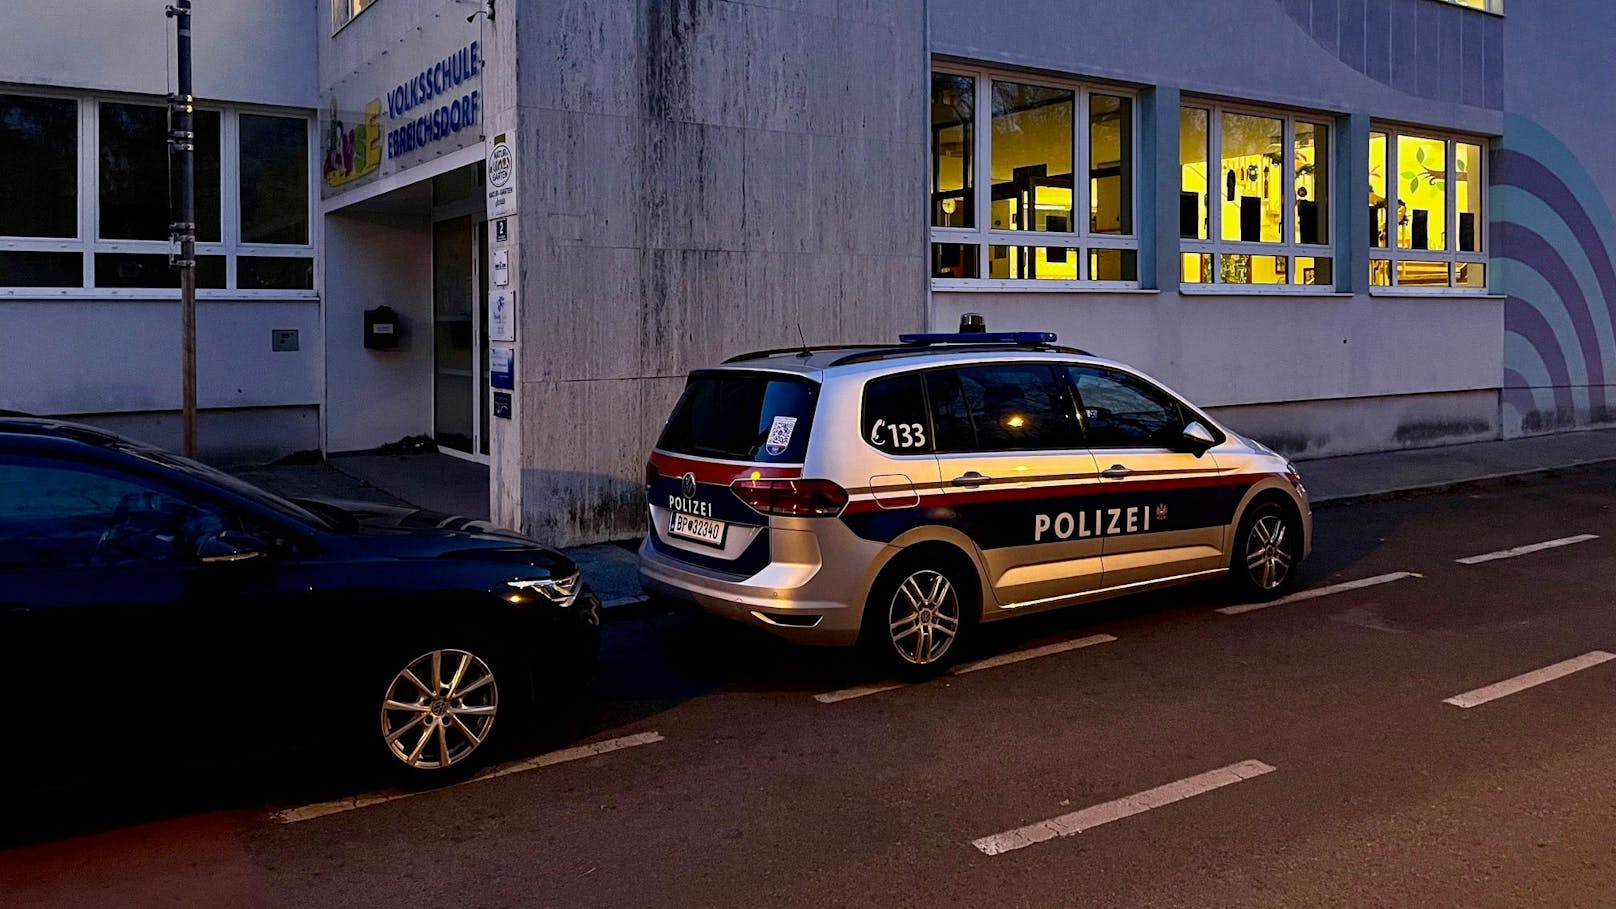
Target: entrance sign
413,103
502,175
502,315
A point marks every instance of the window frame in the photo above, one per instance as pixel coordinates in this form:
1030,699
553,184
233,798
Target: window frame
1288,246
87,241
343,12
1079,239
1450,254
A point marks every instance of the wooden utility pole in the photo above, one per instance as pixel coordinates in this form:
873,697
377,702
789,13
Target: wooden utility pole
182,149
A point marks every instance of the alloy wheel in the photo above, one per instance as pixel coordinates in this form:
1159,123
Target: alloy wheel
439,709
1268,553
924,617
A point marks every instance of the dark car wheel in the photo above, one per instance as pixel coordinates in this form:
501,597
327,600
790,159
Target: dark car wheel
440,712
917,613
1267,548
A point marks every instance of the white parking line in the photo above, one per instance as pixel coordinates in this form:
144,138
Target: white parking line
1105,813
321,809
847,694
1016,656
1527,680
993,662
1322,592
1524,550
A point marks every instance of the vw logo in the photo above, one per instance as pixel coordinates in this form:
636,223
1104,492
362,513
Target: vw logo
687,485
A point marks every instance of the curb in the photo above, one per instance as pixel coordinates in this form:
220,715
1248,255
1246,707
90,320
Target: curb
1479,482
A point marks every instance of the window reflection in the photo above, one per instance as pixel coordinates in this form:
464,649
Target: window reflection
1032,157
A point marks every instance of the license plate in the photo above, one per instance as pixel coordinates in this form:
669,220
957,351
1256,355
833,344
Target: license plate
702,530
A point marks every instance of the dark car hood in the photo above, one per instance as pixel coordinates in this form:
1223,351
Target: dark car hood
422,533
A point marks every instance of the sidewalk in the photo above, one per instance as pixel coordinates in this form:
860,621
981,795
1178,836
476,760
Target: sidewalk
442,483
1351,478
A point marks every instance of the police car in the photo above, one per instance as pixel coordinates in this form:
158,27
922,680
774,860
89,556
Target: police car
897,495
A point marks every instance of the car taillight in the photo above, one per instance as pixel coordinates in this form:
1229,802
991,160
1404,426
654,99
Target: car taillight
650,475
792,498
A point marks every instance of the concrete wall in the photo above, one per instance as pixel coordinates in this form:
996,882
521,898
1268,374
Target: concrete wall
377,396
1553,227
127,46
698,178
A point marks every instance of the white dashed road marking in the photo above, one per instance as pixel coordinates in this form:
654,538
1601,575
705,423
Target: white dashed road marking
321,809
1105,813
847,694
1527,680
993,662
1525,550
1016,656
1322,592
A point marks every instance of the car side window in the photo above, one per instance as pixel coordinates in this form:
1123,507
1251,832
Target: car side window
895,415
1123,411
1000,407
72,516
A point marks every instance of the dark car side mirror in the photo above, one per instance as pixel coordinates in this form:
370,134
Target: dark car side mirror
1197,439
229,546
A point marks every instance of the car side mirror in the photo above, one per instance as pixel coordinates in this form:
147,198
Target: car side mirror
229,546
1198,438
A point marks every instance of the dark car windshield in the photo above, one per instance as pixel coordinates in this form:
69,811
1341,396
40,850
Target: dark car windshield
235,486
743,416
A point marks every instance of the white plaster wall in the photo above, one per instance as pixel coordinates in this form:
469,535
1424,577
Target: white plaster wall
251,51
377,396
1229,350
1226,350
100,356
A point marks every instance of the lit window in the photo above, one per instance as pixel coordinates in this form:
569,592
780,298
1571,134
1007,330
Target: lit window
343,11
1006,200
1259,214
1427,223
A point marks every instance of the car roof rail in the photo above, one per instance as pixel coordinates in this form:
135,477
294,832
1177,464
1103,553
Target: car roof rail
921,349
799,349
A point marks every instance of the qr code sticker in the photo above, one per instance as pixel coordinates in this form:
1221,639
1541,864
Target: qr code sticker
780,435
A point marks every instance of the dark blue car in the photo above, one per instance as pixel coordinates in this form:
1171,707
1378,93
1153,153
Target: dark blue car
154,611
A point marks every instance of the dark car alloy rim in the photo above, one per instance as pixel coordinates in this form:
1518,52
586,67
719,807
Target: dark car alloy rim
924,617
1268,554
439,709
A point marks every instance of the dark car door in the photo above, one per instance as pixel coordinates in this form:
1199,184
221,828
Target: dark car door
107,630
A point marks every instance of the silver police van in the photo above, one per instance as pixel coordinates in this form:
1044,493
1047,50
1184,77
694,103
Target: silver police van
897,495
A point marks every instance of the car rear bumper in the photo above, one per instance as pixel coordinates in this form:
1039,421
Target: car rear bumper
805,600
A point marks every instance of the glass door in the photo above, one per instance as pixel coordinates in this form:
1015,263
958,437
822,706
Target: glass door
459,324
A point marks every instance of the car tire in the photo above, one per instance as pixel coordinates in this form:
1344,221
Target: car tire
917,614
443,710
1267,548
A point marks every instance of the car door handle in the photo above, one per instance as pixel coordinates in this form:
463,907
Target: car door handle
971,479
1115,472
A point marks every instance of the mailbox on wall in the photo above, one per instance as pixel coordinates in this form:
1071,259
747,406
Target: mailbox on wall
381,328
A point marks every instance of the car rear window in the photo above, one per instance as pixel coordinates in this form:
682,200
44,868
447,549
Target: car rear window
743,416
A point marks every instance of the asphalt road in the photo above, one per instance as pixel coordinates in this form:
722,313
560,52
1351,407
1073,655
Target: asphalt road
1297,755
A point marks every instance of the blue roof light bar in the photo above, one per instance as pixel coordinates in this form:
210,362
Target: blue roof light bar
979,337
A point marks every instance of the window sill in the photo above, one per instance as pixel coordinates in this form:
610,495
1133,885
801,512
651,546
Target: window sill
156,295
1440,293
971,286
1258,290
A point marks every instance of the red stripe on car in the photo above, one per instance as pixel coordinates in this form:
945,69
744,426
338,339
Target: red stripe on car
719,473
